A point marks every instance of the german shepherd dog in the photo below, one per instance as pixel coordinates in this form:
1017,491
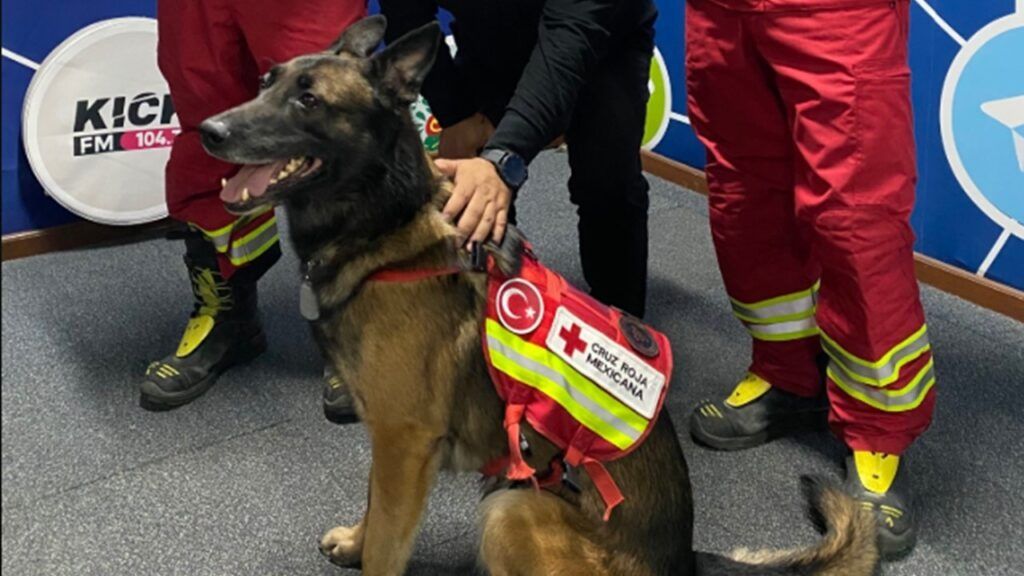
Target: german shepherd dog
330,138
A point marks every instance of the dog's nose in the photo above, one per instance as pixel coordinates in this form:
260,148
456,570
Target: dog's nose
214,131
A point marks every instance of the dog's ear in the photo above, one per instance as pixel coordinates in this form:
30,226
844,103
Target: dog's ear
398,70
362,37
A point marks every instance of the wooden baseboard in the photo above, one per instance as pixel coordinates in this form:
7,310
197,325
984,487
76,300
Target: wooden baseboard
970,287
676,172
75,235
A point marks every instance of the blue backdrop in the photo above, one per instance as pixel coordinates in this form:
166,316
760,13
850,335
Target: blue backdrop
949,224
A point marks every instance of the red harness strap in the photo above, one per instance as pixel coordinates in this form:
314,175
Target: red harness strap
601,478
411,274
552,478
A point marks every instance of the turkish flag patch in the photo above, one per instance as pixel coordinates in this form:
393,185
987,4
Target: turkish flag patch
519,305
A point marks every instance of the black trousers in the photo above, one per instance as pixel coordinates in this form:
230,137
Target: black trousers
607,183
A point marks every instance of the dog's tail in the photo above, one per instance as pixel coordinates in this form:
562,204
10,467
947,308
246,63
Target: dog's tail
848,547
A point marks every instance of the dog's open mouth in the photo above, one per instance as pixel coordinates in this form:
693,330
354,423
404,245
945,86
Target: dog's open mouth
253,181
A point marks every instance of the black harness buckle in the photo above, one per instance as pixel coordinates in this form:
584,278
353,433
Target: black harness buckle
570,477
477,257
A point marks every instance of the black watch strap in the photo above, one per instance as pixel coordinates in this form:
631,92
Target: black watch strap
511,167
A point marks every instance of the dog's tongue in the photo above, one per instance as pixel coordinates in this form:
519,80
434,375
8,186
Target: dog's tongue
255,177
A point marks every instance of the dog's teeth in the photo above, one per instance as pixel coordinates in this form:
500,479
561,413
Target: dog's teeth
223,182
282,175
273,180
245,194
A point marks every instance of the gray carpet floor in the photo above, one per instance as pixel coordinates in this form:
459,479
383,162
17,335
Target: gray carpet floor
245,480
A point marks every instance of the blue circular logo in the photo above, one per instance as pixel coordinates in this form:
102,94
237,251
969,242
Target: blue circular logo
982,118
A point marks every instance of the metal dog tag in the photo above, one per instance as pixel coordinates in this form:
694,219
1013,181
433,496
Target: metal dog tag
308,306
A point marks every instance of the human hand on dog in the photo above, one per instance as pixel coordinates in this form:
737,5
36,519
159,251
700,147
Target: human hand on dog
480,196
465,138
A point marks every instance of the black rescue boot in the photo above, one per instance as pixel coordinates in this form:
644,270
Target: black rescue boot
224,330
880,484
755,413
338,405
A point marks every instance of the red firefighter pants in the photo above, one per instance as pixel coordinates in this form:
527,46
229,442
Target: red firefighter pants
810,161
212,53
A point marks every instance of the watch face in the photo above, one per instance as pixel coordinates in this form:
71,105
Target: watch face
515,170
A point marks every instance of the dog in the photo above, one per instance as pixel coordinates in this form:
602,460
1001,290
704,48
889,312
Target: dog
330,138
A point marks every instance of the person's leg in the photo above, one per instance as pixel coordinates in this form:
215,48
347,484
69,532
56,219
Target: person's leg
204,59
607,183
771,281
206,62
844,76
276,32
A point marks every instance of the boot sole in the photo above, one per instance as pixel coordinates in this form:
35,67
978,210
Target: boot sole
796,424
335,416
893,547
156,400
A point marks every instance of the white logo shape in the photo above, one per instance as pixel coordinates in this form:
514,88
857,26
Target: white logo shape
1010,113
101,167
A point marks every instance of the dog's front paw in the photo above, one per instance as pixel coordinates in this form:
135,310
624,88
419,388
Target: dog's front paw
343,545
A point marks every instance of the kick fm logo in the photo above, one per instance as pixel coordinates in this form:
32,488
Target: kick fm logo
148,117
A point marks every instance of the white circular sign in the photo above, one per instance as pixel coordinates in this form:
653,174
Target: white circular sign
982,121
98,123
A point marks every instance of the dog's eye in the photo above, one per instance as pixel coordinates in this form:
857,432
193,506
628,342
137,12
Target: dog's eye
308,101
266,80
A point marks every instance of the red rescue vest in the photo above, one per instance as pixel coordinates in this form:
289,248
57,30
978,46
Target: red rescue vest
588,377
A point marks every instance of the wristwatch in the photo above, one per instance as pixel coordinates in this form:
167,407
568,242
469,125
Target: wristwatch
511,166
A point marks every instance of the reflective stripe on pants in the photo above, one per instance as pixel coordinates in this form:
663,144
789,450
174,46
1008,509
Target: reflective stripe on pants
786,317
244,239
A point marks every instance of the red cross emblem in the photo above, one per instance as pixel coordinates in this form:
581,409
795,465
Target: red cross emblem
573,342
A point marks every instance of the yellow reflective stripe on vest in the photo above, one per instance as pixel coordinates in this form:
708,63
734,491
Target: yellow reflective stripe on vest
538,368
779,309
886,369
255,243
590,415
909,397
786,317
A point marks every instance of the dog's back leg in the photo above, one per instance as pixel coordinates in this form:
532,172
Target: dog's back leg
526,533
535,533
